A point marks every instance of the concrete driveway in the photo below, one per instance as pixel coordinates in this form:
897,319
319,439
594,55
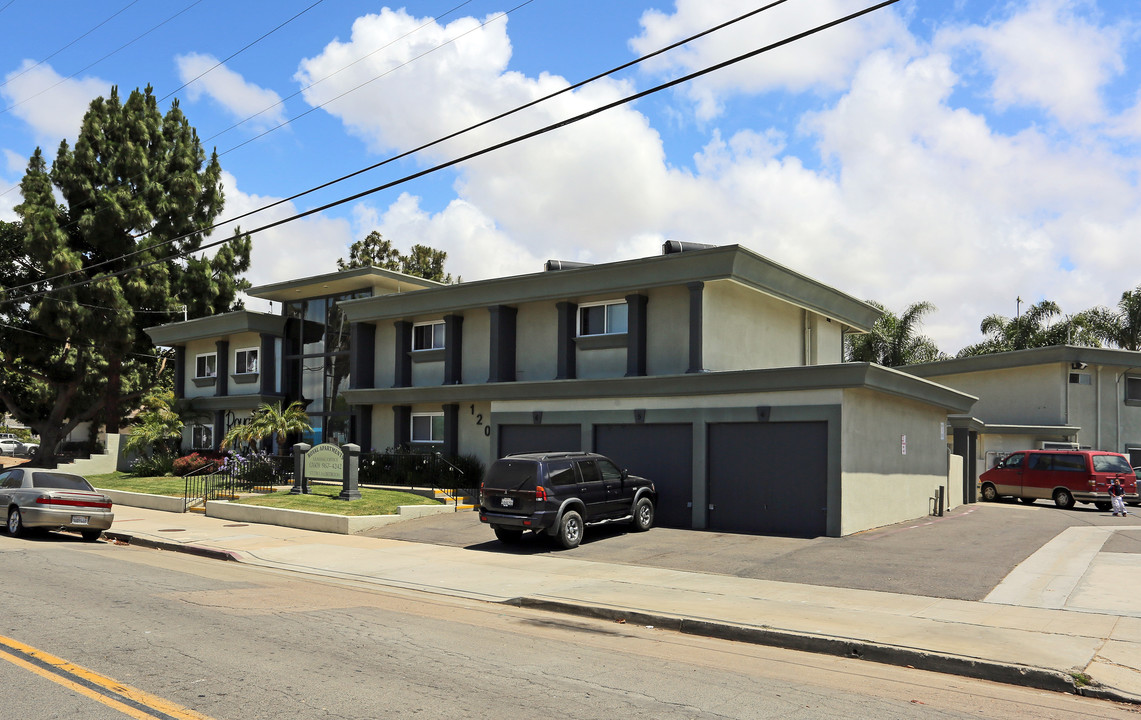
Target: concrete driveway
964,555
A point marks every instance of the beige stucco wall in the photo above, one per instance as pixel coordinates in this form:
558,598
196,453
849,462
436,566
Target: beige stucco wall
827,340
667,331
476,346
427,373
880,485
600,363
474,419
243,341
1033,395
382,426
193,350
744,329
536,334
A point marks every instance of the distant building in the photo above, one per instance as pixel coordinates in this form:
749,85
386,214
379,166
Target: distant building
715,372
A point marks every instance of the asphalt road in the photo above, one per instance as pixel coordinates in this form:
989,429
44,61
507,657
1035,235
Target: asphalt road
229,641
962,555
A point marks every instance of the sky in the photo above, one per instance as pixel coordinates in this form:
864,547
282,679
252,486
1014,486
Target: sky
981,156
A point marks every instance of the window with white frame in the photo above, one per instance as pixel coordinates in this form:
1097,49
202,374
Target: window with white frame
206,365
427,427
428,336
246,361
202,437
602,318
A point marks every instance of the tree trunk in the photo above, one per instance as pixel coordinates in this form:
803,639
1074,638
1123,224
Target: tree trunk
50,438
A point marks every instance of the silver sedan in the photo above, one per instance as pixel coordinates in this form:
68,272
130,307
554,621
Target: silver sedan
35,498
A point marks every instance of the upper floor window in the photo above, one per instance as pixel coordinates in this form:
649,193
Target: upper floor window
246,361
427,427
206,365
1133,389
602,318
428,336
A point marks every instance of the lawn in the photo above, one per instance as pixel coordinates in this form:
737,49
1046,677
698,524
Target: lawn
322,498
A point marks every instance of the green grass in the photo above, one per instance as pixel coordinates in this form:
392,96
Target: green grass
323,499
131,483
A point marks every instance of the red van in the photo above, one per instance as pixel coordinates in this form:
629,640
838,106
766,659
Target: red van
1061,475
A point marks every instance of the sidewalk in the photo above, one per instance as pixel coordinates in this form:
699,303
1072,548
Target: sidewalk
1020,635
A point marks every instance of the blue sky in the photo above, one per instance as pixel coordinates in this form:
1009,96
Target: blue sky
962,152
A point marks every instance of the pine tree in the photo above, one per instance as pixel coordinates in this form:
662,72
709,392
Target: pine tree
136,188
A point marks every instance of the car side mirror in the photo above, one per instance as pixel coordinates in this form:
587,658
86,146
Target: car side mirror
625,474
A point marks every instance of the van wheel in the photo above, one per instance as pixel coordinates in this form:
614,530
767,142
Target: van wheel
989,493
570,530
1102,505
643,514
1063,499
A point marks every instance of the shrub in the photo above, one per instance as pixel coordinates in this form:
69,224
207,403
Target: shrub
156,465
190,464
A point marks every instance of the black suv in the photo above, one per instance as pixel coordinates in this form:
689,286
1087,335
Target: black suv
561,492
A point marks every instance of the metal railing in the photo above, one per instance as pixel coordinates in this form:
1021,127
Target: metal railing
236,475
411,469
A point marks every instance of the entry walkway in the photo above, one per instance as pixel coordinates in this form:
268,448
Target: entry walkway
1010,637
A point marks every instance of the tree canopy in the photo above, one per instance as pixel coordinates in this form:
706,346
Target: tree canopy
377,251
894,340
85,276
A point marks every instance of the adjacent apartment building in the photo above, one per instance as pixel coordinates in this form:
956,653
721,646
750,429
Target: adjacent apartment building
715,372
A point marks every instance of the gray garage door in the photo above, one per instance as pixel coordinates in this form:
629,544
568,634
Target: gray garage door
662,453
538,438
769,478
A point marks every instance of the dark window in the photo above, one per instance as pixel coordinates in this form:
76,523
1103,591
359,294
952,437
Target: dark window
428,336
206,365
609,470
10,479
561,472
1069,463
202,437
1111,464
1080,379
1133,388
511,475
44,480
1039,462
246,361
589,471
605,319
1012,461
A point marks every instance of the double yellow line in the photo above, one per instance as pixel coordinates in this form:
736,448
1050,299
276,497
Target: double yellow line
128,700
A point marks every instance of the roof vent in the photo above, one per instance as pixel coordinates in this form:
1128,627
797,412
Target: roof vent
553,265
669,247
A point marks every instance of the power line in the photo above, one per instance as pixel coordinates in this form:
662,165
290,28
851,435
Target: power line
91,65
425,146
498,146
65,47
239,52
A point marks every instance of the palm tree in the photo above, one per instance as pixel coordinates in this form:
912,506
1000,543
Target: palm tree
893,341
157,425
1032,329
270,421
1122,328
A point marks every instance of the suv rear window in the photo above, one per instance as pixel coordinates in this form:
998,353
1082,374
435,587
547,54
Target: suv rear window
1111,464
512,475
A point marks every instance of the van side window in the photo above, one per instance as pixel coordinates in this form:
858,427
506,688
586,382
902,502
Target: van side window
1070,463
1039,462
1012,461
561,472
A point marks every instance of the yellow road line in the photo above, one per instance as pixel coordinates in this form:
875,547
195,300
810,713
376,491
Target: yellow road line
130,701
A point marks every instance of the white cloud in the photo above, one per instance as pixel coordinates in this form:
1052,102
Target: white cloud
1047,55
824,61
51,105
301,248
230,90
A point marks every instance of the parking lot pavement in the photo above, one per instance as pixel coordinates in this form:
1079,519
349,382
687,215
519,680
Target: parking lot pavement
963,555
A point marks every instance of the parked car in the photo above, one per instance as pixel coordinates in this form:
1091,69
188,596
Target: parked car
55,501
1065,476
28,448
560,493
9,445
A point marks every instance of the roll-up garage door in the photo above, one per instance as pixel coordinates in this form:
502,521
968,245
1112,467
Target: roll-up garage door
769,478
538,438
662,453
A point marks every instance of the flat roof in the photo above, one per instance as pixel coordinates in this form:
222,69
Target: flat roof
1052,355
342,281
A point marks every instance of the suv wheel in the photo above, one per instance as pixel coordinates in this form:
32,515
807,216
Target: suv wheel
508,536
570,530
643,514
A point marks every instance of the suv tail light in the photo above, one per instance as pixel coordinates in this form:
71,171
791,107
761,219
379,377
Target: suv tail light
540,493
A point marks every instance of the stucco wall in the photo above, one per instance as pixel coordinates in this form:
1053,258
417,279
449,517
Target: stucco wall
536,327
667,331
881,484
427,373
382,426
744,329
474,437
244,341
383,372
476,346
600,363
1033,395
827,340
193,350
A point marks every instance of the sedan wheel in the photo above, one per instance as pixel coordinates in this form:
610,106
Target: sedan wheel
91,535
570,530
15,522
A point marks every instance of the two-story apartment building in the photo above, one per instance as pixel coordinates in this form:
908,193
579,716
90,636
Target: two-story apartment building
716,372
1060,396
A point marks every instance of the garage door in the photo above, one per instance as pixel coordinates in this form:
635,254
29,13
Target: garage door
538,438
662,453
769,478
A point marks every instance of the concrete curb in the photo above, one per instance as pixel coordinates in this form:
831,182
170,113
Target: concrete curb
200,551
1026,676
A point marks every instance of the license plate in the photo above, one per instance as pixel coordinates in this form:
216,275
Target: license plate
79,519
507,502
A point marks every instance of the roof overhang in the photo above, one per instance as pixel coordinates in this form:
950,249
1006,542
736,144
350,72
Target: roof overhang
1056,354
216,326
341,282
